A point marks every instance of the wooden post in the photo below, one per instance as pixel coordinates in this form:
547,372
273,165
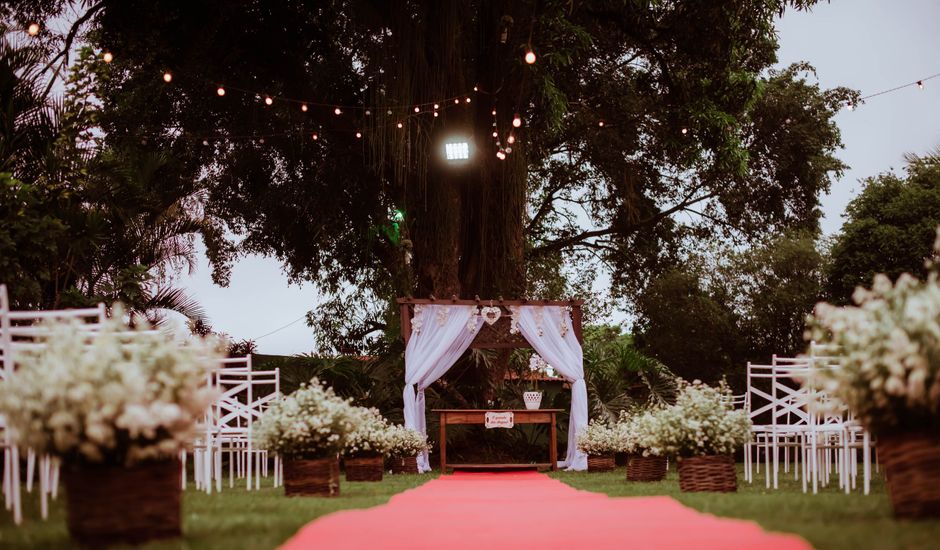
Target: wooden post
405,322
553,449
443,443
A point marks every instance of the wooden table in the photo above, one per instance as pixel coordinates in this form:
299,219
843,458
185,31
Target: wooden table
520,416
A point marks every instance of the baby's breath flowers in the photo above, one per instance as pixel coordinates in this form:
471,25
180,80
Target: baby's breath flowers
700,423
119,396
888,346
370,435
599,439
313,422
406,442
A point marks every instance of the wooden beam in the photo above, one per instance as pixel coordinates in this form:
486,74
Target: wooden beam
481,302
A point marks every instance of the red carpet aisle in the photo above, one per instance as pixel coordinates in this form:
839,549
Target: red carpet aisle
519,511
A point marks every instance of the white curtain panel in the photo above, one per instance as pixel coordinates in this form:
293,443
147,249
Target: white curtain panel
549,331
439,336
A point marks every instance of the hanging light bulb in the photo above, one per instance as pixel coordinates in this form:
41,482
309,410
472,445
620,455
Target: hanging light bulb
475,89
220,90
33,29
358,135
530,57
600,123
167,77
508,150
435,114
261,141
500,155
303,107
436,106
516,121
495,134
456,101
315,136
511,139
368,112
400,125
468,100
417,109
388,112
108,57
337,111
205,142
685,131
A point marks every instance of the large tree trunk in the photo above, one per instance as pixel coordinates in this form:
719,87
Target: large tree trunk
468,234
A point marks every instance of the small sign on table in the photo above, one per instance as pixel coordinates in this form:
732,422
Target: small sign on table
498,419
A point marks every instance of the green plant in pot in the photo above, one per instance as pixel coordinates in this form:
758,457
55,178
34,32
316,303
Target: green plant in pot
114,407
888,375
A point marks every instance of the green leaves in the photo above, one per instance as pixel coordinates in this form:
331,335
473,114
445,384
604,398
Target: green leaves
889,229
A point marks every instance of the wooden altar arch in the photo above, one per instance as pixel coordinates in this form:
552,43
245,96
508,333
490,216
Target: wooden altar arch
497,335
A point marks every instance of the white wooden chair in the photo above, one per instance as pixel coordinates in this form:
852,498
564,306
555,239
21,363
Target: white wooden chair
245,394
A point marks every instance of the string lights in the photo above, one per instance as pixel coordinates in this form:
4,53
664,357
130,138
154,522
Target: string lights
403,113
919,83
530,57
33,29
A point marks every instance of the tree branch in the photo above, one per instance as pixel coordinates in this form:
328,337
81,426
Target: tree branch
581,238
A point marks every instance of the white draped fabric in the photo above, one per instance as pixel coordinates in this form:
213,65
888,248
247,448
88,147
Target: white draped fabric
440,334
549,331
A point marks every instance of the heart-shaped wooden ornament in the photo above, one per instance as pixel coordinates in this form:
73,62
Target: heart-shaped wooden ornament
491,314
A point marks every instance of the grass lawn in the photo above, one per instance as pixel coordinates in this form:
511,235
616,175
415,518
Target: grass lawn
828,520
233,519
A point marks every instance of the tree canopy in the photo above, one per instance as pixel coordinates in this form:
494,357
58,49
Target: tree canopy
889,227
700,139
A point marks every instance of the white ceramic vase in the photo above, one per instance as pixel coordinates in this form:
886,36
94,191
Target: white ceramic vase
533,399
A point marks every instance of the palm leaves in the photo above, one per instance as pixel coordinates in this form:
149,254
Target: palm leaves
620,378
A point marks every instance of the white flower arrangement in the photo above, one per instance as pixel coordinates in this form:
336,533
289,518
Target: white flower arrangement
119,396
406,442
632,430
888,370
700,423
370,435
599,439
312,422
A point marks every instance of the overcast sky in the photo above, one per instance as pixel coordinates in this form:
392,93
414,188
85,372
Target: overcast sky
869,45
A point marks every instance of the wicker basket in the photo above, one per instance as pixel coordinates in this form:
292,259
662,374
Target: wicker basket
708,473
367,468
311,477
912,468
115,504
646,468
601,463
405,465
